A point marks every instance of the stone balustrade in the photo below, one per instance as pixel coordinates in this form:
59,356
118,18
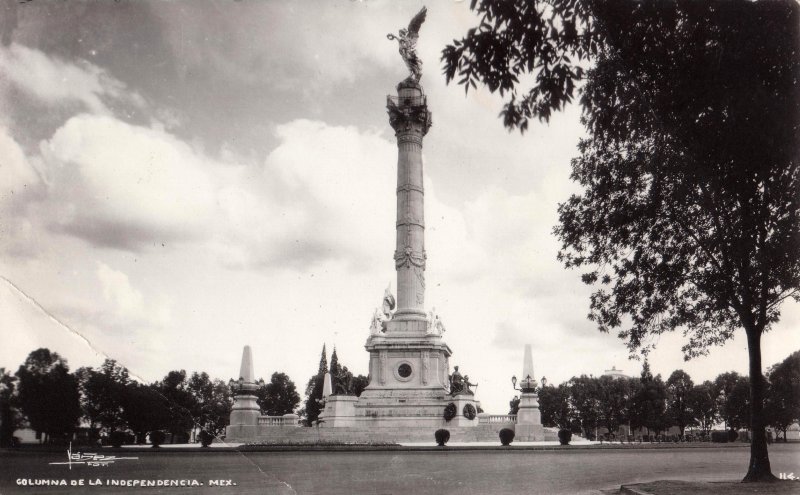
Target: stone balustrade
493,419
285,420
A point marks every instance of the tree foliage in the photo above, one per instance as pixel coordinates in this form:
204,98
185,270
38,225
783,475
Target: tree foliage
556,408
279,396
180,401
690,216
703,405
733,399
48,393
649,403
679,407
103,394
144,410
10,419
783,399
212,403
314,390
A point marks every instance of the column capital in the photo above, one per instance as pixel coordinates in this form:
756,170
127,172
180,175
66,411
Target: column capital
409,117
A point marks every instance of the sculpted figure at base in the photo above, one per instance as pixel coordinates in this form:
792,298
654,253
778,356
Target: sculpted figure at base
388,303
435,325
343,382
407,39
460,384
379,318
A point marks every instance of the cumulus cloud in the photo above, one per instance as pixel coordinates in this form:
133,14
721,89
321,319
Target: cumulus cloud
123,186
54,81
315,198
118,290
18,177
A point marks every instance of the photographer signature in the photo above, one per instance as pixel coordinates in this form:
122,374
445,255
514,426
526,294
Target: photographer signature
91,459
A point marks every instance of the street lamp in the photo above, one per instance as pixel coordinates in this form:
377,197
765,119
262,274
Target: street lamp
526,385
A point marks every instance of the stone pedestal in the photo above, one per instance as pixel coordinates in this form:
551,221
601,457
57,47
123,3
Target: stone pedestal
529,419
245,410
339,411
408,378
461,401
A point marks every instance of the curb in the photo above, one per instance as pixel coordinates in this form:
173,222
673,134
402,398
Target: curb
633,490
373,448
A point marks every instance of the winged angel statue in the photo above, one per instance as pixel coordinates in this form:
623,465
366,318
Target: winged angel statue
408,44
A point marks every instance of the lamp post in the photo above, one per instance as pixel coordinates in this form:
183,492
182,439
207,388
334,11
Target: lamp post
527,385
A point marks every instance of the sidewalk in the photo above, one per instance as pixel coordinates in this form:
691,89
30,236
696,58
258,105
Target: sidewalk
674,487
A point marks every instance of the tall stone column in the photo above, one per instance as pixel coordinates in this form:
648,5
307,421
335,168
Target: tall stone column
410,118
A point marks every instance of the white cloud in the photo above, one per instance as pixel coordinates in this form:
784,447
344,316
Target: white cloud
55,81
121,185
316,198
117,289
18,178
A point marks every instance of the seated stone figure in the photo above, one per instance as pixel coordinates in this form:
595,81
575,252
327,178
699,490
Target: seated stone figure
459,384
342,382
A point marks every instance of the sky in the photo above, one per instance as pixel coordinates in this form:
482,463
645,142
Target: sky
180,179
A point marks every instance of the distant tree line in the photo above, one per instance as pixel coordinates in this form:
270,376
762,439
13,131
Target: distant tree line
584,404
45,396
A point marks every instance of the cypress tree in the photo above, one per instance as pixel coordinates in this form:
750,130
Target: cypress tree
314,389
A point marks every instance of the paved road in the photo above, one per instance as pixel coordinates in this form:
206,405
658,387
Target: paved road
407,473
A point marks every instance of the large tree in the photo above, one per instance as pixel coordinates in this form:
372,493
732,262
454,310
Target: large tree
783,400
212,404
585,400
313,405
48,393
10,419
144,409
180,401
279,396
703,405
733,400
649,402
103,394
614,402
689,218
556,407
679,408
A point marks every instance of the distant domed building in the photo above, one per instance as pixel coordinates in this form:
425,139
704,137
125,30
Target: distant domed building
615,373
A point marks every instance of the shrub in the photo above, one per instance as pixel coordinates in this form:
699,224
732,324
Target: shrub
719,436
442,436
116,438
564,436
205,438
157,437
732,435
506,436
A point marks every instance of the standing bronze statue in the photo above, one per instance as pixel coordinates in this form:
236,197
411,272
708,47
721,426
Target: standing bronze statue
408,45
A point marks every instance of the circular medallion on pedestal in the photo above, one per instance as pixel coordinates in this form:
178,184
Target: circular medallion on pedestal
403,371
450,411
469,411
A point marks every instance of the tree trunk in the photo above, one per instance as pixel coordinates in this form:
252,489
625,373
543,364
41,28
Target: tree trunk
759,469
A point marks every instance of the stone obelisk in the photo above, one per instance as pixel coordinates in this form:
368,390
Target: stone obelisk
245,409
529,424
410,119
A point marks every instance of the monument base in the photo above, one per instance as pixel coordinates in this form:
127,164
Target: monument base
339,411
245,410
